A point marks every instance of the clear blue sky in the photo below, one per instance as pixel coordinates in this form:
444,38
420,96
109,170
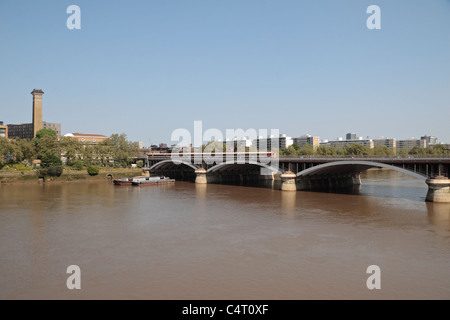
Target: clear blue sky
147,68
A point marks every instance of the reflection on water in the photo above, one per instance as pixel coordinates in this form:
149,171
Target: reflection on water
288,200
392,184
439,215
188,241
386,184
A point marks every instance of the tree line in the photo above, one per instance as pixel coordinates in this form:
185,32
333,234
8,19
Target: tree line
357,149
116,151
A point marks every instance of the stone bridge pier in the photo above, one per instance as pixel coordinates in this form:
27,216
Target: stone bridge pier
438,189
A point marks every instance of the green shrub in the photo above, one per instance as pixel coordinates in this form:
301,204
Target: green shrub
52,171
92,170
55,171
139,163
77,165
49,160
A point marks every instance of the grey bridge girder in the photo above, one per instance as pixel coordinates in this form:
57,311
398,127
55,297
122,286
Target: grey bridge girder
233,165
165,163
339,166
353,167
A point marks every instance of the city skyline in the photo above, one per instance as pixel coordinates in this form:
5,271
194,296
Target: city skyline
149,68
25,130
350,136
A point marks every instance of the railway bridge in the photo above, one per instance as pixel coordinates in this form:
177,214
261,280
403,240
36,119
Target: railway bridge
299,173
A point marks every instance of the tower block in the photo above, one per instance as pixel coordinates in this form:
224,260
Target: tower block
37,110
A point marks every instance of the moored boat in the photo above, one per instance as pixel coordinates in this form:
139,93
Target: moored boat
129,181
158,180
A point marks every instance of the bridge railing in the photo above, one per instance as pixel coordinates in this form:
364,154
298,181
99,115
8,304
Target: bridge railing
443,156
223,156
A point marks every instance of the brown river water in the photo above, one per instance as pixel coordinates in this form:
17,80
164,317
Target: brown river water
187,241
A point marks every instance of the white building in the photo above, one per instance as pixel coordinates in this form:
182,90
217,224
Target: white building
341,143
411,143
265,144
307,139
387,142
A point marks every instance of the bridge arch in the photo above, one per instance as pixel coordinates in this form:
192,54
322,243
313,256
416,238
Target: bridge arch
354,167
232,164
165,163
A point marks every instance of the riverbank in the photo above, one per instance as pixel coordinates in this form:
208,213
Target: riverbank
67,176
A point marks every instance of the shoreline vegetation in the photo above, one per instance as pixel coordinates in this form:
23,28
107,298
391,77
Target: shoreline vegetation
68,175
48,157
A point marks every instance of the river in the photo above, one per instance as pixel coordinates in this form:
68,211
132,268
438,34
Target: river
188,241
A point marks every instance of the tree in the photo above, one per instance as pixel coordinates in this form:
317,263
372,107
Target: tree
326,151
355,149
439,149
49,160
382,151
78,164
92,170
416,150
306,150
25,150
123,151
402,152
47,144
51,165
289,151
45,132
71,148
6,151
55,171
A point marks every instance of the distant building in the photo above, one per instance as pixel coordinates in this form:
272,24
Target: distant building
266,144
53,126
431,140
28,130
350,136
3,130
87,138
161,148
340,143
387,142
242,144
22,131
410,143
307,139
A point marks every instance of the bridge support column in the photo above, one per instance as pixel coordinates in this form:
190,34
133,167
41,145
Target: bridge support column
201,176
146,172
356,179
288,181
438,189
